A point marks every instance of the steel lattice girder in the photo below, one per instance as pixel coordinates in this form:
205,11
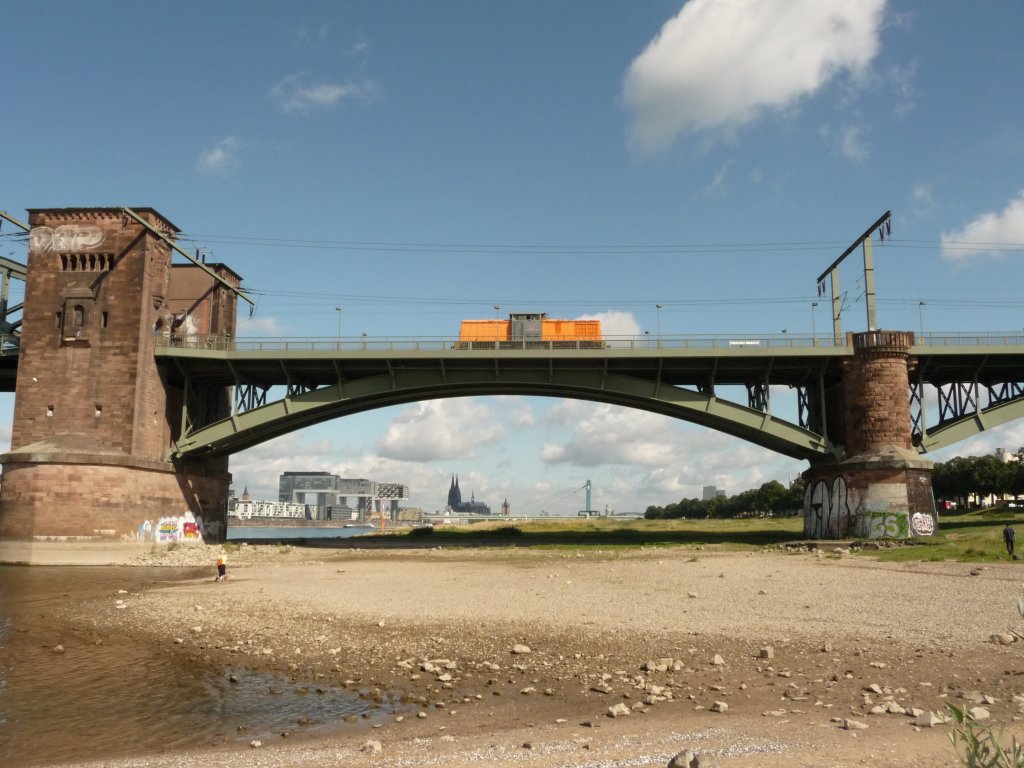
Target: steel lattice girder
962,413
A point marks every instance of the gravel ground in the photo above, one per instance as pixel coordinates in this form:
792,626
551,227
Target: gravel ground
438,629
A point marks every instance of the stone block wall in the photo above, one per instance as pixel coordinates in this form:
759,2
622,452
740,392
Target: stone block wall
876,392
95,416
66,498
86,365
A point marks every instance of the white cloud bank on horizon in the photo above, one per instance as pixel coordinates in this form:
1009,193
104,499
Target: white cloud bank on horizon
988,234
295,93
720,64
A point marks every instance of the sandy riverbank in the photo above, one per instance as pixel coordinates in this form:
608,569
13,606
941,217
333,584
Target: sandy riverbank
439,627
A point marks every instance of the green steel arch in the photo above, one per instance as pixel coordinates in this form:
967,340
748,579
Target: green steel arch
244,430
971,425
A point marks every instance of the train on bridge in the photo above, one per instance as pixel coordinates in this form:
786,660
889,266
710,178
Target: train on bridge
526,330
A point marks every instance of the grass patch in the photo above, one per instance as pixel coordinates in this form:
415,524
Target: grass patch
971,537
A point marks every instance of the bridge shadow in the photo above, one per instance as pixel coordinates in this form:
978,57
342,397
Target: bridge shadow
757,537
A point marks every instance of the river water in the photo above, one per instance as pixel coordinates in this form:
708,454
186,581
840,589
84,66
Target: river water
103,696
239,533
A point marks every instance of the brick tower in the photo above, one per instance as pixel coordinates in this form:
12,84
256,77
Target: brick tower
94,417
880,487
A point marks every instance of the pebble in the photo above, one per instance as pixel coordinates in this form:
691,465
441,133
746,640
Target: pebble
372,746
691,759
520,649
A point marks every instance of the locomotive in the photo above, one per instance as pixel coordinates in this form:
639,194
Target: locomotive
530,330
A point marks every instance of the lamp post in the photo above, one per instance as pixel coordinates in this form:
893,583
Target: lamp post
338,310
920,315
497,322
814,325
658,308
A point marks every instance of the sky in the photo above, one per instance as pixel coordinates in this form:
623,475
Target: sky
419,163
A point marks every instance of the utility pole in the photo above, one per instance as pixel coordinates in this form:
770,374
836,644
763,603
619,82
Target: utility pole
884,227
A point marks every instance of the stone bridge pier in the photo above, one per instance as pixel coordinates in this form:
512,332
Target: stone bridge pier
879,487
94,415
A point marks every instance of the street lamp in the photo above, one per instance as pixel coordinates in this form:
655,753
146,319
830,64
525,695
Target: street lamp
920,315
658,307
338,310
497,322
814,329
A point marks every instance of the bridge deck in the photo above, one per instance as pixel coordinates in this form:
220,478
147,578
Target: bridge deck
677,360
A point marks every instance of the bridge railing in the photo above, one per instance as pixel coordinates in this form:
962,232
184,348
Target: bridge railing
736,342
989,339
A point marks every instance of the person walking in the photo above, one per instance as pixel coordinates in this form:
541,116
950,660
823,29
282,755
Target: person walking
222,567
1008,536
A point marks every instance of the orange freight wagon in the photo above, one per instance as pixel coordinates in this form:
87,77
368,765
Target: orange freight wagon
530,331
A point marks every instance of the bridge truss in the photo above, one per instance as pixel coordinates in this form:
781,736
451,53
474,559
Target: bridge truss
969,384
276,391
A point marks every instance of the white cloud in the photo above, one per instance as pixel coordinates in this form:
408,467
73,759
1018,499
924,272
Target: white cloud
312,37
221,158
716,189
720,64
902,79
987,234
1008,436
923,199
440,429
615,323
258,326
297,94
639,458
852,143
359,49
606,434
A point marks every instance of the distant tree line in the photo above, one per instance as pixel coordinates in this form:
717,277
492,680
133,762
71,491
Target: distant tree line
772,498
960,479
963,477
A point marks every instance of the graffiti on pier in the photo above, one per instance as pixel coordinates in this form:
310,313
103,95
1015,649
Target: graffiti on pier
922,524
827,509
884,525
184,529
66,237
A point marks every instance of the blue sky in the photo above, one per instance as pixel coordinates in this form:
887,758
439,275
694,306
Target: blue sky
418,163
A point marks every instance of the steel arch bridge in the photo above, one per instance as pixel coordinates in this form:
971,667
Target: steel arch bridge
971,383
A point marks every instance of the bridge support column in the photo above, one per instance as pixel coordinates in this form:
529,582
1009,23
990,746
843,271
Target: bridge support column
881,488
94,415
